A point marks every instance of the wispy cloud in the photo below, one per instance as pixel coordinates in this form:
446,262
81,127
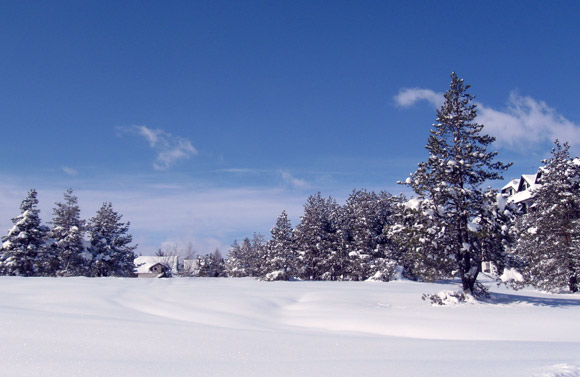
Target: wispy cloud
286,176
409,96
527,121
69,171
241,171
293,181
523,123
169,148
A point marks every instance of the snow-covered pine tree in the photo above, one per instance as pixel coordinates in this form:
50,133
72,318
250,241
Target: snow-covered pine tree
317,239
417,237
23,249
209,265
238,263
365,214
218,268
257,255
110,249
280,257
66,235
548,247
451,181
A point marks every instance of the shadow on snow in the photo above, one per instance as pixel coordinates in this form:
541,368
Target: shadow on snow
509,298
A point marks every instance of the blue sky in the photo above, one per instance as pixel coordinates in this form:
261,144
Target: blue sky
202,120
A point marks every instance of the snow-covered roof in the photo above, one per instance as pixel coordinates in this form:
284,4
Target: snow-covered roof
144,262
522,196
530,178
514,183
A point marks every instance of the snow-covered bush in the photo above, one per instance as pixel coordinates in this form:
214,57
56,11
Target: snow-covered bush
447,297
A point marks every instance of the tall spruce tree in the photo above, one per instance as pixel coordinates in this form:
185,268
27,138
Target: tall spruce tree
418,239
317,240
209,265
110,249
23,249
236,264
450,185
245,259
66,235
364,216
280,257
548,246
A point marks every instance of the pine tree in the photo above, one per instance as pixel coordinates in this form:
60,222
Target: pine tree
23,249
218,268
418,239
364,217
280,251
66,235
110,249
209,265
235,262
257,255
243,259
548,247
449,183
317,240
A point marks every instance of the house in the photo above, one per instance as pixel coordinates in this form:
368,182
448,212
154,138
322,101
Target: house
520,191
155,266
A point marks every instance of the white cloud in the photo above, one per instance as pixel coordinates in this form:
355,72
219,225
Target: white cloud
169,148
295,182
286,176
69,171
409,96
524,123
241,171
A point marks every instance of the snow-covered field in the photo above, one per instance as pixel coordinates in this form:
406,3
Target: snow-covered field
242,327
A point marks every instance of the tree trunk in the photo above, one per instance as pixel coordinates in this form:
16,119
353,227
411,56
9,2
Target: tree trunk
573,284
469,275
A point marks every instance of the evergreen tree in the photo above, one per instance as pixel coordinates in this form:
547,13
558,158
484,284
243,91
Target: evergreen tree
218,267
364,217
209,265
449,184
418,239
238,263
548,246
280,257
66,235
317,239
257,255
23,249
110,249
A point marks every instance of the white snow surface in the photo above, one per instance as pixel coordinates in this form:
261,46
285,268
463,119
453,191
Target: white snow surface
243,327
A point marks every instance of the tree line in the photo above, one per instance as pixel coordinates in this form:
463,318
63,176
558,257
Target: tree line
71,246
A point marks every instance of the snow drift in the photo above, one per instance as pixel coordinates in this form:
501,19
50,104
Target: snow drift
243,327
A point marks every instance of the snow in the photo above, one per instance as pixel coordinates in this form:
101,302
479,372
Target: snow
510,274
413,203
243,327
